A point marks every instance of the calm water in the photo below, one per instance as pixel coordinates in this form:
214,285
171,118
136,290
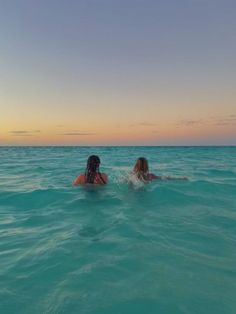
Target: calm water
164,247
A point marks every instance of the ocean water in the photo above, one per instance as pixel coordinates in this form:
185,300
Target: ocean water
163,247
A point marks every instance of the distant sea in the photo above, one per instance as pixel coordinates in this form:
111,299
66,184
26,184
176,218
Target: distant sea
164,247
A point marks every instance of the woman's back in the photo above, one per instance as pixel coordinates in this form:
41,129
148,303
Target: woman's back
100,178
92,174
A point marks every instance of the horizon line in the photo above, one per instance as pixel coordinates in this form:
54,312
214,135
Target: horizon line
203,145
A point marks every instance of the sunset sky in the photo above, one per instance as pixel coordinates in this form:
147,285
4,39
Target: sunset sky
117,72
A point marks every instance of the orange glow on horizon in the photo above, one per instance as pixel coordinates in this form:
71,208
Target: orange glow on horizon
115,135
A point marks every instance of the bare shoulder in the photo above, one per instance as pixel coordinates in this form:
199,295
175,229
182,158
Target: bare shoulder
105,177
79,180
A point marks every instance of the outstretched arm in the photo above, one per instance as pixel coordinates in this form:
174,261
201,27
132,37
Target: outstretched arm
173,178
154,177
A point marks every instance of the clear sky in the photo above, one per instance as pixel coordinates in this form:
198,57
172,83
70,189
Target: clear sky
117,72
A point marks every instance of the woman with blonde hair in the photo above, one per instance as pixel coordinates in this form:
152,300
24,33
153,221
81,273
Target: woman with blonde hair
141,171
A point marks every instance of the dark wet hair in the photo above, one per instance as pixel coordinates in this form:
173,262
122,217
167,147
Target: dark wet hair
92,169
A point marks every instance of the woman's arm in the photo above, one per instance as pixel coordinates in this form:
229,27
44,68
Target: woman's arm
152,176
173,178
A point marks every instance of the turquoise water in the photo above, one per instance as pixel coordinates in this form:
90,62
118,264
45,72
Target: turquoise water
164,247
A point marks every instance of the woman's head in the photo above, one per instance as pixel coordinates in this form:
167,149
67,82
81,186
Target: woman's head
93,164
141,167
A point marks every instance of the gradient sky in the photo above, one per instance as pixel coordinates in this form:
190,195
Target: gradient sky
117,72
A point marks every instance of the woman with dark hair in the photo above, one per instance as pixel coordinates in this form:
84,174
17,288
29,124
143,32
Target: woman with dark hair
92,174
141,171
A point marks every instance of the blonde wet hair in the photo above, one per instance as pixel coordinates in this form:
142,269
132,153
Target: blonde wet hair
141,168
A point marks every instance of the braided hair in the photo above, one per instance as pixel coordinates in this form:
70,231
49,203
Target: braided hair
93,169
